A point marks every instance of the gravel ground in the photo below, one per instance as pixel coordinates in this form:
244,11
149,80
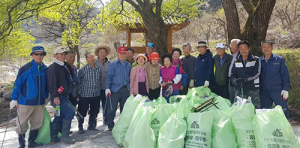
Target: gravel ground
90,139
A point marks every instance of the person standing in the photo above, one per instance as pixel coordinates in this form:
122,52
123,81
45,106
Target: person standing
275,79
89,81
29,94
72,71
117,85
245,72
138,77
58,84
176,53
204,67
153,73
188,65
103,62
129,57
149,50
235,52
222,63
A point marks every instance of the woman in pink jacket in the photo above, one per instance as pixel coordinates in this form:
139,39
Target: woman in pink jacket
138,77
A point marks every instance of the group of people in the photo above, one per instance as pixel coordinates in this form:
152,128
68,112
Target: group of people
108,83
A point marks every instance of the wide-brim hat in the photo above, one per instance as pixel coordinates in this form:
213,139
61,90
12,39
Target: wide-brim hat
201,43
107,48
141,55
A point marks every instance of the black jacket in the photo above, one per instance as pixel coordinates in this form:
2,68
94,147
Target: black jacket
57,77
221,73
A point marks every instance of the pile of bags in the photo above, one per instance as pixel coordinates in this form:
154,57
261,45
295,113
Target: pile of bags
201,119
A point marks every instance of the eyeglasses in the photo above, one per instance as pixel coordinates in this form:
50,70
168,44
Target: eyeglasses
41,54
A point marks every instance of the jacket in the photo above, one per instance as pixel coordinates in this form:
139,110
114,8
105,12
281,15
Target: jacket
182,72
188,66
30,87
170,74
221,73
118,75
153,73
249,71
73,88
134,81
204,69
104,68
274,74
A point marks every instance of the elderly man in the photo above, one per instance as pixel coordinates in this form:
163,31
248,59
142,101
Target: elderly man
275,79
188,65
235,52
129,57
103,62
204,67
245,72
72,71
149,50
222,63
117,85
89,80
58,84
30,89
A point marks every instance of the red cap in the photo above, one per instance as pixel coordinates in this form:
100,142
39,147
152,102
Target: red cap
154,56
122,49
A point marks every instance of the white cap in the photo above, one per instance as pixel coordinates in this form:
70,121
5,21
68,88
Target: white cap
220,45
59,50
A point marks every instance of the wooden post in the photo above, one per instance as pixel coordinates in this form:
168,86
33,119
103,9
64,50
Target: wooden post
128,37
169,40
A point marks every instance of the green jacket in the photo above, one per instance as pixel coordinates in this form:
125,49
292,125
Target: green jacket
221,74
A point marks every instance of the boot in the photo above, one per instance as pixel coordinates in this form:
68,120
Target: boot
21,140
65,132
92,122
32,136
80,127
55,128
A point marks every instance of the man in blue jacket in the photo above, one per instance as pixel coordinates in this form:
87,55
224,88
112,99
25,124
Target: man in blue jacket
275,79
30,91
204,67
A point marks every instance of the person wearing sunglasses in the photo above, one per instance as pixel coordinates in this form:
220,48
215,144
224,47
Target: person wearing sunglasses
29,96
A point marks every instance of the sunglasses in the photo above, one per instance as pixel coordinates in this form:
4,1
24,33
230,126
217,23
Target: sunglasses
41,54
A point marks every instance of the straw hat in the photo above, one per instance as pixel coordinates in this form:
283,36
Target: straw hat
102,47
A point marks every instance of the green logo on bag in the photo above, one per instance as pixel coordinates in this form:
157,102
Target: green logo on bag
277,133
195,125
155,121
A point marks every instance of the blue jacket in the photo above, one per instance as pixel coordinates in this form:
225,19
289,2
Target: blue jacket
118,75
249,71
73,90
274,74
31,84
204,69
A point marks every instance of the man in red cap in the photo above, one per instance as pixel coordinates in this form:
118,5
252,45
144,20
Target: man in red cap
117,86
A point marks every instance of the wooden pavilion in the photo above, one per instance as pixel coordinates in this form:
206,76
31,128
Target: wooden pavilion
172,24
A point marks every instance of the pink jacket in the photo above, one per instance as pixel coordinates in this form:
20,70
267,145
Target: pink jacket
134,81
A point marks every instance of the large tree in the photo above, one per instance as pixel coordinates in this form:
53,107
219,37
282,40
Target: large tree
255,30
151,14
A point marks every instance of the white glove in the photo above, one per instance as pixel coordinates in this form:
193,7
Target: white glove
206,83
192,83
107,92
284,94
13,103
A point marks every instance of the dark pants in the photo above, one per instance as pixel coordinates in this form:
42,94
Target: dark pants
184,91
73,100
268,97
253,94
142,89
112,105
232,93
222,91
66,110
175,93
154,93
91,103
103,101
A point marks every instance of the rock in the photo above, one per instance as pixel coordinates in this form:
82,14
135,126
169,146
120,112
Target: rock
7,96
1,92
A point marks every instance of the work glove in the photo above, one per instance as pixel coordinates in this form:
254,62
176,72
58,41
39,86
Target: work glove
284,94
192,83
107,92
238,81
206,83
13,103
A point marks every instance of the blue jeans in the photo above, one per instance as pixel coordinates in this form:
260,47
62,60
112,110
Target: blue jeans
175,92
66,110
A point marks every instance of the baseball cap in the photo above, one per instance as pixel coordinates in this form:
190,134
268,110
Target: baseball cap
220,45
150,45
37,48
122,49
60,50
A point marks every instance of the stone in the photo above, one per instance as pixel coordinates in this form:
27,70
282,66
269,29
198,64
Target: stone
7,95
